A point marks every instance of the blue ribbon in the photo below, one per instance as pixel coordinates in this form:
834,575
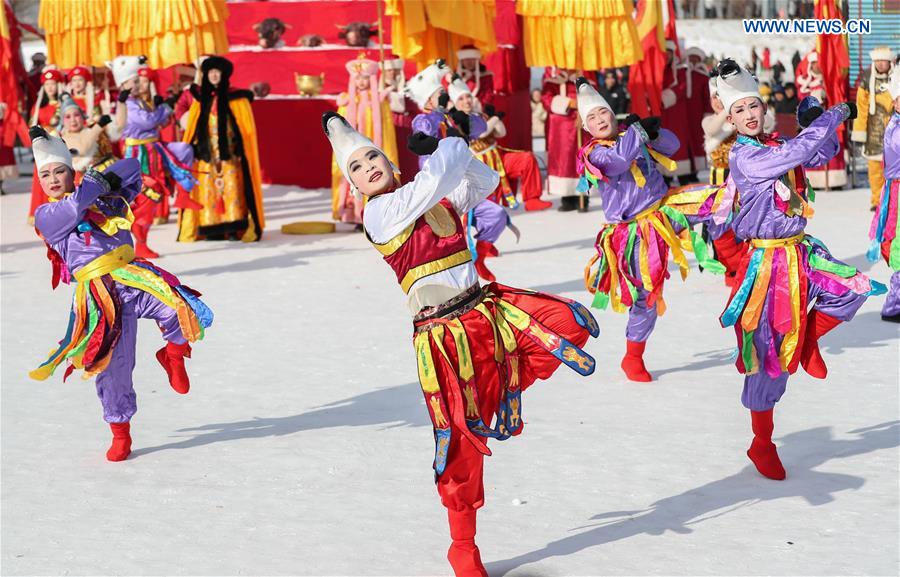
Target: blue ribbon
736,306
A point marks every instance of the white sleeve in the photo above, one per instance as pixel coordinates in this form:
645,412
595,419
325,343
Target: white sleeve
479,182
386,216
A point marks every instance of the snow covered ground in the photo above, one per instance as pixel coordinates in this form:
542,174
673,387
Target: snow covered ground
304,447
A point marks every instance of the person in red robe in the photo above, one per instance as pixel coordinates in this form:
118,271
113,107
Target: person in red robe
564,136
477,77
690,157
696,78
46,115
811,82
80,86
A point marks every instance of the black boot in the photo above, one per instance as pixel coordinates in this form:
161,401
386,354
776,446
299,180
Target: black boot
583,202
568,203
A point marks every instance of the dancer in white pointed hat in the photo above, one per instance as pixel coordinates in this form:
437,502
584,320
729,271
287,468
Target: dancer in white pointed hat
633,248
790,290
477,348
87,232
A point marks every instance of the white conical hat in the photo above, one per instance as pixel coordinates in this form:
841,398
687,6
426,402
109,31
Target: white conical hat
124,68
457,88
894,83
345,140
50,149
589,99
424,84
734,84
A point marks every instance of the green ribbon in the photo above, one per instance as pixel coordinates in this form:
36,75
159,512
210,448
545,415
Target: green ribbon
701,251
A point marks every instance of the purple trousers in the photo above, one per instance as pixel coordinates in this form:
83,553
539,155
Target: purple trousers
761,391
892,300
490,220
114,385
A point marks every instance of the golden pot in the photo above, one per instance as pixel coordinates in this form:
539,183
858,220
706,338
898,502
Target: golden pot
309,85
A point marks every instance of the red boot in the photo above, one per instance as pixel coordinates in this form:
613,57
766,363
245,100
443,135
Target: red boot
141,250
817,324
483,248
463,554
121,443
633,363
536,204
492,252
183,200
171,357
762,451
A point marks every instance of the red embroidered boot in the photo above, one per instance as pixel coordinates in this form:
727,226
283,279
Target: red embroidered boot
633,363
762,451
817,324
463,554
171,357
121,442
483,248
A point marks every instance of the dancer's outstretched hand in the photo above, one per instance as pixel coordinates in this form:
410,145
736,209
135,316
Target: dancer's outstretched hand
651,126
422,144
123,95
36,132
809,115
630,119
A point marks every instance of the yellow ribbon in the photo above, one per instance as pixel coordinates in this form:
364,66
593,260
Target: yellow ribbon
140,141
116,258
754,306
777,242
789,344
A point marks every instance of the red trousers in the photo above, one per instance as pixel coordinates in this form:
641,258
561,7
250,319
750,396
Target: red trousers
523,166
461,486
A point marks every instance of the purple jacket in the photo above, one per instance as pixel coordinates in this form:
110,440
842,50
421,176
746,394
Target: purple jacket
58,221
143,122
755,169
622,198
892,147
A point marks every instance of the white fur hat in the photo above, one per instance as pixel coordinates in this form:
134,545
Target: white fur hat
468,51
424,84
735,84
457,88
393,64
812,57
894,83
50,149
124,68
882,53
589,99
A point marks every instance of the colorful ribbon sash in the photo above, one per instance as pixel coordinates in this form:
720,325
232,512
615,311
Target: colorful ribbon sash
458,402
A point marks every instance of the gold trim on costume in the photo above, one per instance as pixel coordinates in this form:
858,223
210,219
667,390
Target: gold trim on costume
140,141
430,268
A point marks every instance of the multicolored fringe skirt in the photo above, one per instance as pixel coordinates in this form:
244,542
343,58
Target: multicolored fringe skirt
886,226
614,280
778,272
525,349
95,320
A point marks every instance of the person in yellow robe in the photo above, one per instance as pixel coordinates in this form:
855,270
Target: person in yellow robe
368,112
221,129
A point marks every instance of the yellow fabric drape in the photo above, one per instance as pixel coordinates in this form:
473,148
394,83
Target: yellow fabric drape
388,146
168,32
79,31
423,30
579,34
